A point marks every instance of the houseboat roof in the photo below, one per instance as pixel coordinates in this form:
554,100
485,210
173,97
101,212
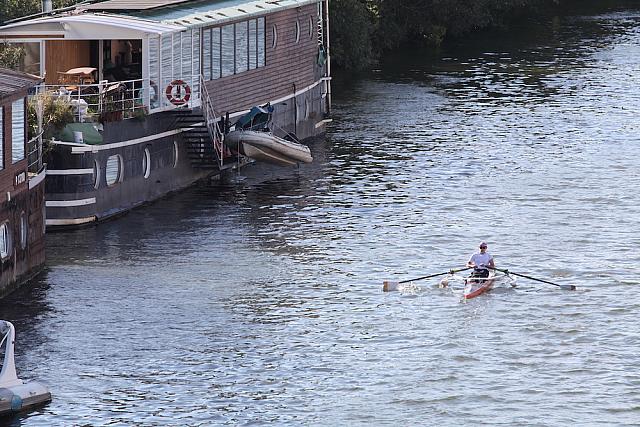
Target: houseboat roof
211,12
86,25
14,81
124,17
131,4
194,13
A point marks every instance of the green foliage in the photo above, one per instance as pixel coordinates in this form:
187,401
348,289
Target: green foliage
352,24
429,22
12,9
56,114
11,56
362,30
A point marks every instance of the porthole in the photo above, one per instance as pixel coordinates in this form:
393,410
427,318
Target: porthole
113,173
146,163
297,31
23,230
274,36
175,154
5,240
310,27
96,174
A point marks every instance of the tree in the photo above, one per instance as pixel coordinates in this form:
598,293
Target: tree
12,9
352,23
11,56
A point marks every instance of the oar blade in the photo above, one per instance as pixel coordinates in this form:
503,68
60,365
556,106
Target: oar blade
568,287
390,286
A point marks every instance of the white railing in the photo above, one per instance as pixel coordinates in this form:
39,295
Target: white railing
105,101
34,154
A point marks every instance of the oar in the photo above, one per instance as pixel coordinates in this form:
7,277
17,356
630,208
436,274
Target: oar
565,287
388,286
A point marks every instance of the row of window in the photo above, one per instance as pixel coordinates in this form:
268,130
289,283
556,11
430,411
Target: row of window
6,241
234,48
114,168
18,134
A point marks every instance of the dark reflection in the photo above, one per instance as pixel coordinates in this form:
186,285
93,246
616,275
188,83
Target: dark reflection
27,308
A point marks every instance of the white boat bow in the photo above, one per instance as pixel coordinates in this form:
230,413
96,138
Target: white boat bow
16,395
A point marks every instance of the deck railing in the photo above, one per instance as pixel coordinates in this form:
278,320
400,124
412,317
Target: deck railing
34,154
212,122
104,101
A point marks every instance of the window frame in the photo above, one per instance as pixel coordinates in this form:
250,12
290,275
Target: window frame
5,240
23,102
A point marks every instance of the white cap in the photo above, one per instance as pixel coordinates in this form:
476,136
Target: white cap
483,244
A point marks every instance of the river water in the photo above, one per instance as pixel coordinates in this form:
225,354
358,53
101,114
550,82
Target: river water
259,300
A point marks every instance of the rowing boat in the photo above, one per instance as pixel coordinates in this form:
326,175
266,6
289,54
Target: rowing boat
474,286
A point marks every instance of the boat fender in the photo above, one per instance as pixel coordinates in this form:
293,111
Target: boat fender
16,403
154,86
181,95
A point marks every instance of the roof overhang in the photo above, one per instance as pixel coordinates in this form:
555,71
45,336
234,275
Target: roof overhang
88,26
12,82
235,12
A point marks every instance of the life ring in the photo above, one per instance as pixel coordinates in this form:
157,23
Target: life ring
180,97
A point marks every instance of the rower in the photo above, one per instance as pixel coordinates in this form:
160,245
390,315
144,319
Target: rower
481,262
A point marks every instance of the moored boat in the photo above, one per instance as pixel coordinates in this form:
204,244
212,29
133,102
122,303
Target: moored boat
252,136
16,395
266,147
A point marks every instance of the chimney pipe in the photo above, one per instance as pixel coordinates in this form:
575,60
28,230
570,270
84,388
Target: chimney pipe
47,6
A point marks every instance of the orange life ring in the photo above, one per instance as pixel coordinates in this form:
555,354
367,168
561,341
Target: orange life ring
180,97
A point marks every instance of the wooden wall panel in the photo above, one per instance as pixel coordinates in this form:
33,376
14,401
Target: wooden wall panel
63,55
290,65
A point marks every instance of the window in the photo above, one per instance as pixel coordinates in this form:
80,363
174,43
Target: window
17,131
5,240
166,62
183,57
23,230
30,63
274,36
306,108
175,154
195,64
113,173
253,44
297,31
310,27
154,71
206,54
232,49
242,46
146,163
96,174
216,37
261,37
1,138
228,50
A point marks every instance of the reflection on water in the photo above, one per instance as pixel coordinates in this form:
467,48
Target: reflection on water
258,300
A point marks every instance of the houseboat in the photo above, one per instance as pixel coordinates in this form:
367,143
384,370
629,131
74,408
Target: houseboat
153,86
22,177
